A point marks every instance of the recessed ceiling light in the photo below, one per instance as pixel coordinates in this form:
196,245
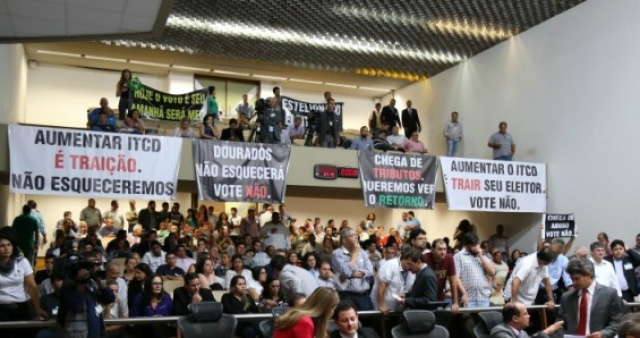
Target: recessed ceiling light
341,85
230,73
304,81
193,69
152,64
469,29
269,77
374,89
49,52
103,58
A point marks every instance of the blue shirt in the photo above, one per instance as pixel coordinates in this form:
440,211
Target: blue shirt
360,143
557,271
165,270
341,264
93,118
413,223
163,308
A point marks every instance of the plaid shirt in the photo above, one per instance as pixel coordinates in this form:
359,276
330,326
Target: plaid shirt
341,264
472,275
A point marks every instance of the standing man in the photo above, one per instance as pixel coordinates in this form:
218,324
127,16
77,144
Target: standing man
353,268
390,115
624,264
250,224
270,130
502,143
475,271
410,120
148,217
26,230
91,214
244,108
329,128
275,233
418,240
175,214
445,269
375,119
453,134
604,273
423,292
234,223
132,215
115,215
526,277
401,228
558,276
393,278
499,240
362,142
412,221
590,309
38,216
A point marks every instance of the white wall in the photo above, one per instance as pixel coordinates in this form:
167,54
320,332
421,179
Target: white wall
61,95
568,89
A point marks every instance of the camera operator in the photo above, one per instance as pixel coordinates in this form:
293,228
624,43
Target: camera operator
329,127
82,302
270,119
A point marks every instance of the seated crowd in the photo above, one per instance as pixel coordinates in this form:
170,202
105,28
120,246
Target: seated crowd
264,261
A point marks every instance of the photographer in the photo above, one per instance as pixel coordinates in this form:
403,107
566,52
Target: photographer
81,302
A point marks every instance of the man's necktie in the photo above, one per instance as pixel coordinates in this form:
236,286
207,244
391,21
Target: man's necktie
582,317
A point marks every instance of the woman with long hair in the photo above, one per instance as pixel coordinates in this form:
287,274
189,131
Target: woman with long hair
184,129
222,217
143,274
207,276
272,295
237,269
370,223
153,302
202,216
310,319
224,266
138,124
515,255
326,249
238,302
255,285
191,218
208,130
122,91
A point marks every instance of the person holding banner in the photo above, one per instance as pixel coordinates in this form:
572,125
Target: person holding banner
122,91
502,143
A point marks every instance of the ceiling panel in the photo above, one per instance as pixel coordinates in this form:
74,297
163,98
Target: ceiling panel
95,17
116,6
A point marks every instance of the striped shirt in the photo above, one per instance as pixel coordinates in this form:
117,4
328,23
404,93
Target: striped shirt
472,275
341,264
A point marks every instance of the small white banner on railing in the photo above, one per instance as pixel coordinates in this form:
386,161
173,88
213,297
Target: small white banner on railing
55,161
486,185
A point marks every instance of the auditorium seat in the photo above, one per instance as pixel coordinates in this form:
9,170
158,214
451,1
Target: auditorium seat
486,322
217,294
207,320
170,285
419,324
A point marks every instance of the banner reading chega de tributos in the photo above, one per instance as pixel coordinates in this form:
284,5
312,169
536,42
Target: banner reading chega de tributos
487,185
154,104
241,172
398,180
53,161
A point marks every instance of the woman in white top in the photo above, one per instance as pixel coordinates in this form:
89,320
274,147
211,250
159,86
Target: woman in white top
16,281
138,124
184,130
256,284
237,269
206,275
310,262
502,269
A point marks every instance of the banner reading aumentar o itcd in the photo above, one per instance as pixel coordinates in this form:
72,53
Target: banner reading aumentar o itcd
52,161
154,104
241,172
487,185
398,180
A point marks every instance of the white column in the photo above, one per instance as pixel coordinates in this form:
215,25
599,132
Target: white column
13,83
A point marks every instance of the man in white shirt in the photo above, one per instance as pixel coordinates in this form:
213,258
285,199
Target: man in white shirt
265,216
523,284
155,257
400,228
605,274
235,221
325,276
393,279
396,139
115,215
275,233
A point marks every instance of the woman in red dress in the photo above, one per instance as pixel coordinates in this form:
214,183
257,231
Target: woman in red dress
310,319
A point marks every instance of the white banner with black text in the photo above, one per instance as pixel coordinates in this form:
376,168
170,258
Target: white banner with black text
69,162
501,186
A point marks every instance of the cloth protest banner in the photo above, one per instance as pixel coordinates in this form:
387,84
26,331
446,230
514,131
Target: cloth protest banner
398,180
486,185
293,107
69,162
241,172
156,105
559,225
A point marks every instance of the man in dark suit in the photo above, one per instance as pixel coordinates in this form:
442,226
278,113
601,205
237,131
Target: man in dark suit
515,319
424,289
410,120
148,217
329,127
590,309
346,320
191,292
390,115
627,262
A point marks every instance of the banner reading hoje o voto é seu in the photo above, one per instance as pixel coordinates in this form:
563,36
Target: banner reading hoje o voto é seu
241,172
52,161
486,185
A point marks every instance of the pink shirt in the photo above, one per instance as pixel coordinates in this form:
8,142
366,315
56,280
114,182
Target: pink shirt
414,147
